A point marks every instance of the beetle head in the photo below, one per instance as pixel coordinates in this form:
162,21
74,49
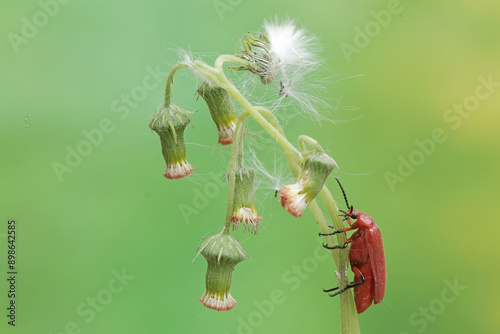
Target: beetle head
353,213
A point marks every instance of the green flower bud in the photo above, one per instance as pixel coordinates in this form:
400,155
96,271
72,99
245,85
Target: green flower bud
169,123
222,253
221,109
315,170
244,209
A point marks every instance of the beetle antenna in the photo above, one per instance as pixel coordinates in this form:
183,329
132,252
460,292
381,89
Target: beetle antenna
343,192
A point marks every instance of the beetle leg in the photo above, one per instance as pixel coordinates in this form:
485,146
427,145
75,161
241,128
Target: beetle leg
335,232
359,274
332,227
340,291
330,290
337,246
349,286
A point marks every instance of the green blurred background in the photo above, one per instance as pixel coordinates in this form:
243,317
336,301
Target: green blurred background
115,214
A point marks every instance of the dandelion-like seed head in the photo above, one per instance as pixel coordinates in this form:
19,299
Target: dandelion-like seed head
287,54
288,44
278,52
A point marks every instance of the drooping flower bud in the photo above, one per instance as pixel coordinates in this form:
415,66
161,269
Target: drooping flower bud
222,253
244,209
316,169
169,123
221,109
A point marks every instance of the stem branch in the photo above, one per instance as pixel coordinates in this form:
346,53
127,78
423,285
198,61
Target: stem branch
170,80
233,162
349,320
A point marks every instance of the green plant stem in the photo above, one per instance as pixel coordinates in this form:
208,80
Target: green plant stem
170,80
303,139
348,313
349,321
220,79
233,163
233,59
294,167
294,159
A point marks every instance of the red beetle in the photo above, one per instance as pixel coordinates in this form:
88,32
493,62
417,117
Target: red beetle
366,256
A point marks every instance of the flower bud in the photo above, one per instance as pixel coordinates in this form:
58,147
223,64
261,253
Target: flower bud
221,109
222,253
244,209
169,123
316,169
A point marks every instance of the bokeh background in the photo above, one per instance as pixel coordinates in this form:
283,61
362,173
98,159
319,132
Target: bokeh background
88,66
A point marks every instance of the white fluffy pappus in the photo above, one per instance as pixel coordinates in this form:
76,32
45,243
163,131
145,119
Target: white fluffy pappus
272,177
293,51
290,45
286,56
